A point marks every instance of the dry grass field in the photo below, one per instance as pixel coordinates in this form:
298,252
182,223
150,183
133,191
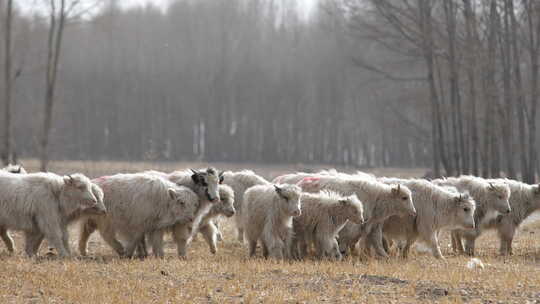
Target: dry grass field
230,277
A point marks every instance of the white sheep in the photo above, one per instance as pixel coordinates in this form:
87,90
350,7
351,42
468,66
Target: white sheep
380,201
241,181
17,169
323,215
183,233
41,205
524,200
99,207
225,207
4,234
204,223
138,204
203,182
294,178
492,199
268,216
437,208
331,171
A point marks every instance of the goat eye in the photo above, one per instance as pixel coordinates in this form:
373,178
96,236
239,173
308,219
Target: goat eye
404,198
466,209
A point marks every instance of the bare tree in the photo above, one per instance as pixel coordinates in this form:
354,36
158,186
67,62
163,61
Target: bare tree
7,153
533,43
54,45
427,47
471,42
58,17
519,91
441,84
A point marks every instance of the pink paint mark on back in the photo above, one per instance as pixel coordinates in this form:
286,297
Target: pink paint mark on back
100,180
309,181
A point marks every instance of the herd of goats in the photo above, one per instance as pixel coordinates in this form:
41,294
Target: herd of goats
326,214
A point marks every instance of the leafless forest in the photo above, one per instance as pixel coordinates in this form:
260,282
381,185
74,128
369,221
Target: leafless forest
450,85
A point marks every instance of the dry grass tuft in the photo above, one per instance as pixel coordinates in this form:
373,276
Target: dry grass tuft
230,277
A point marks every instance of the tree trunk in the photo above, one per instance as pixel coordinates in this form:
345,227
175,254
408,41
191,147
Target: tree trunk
507,109
520,103
486,153
427,48
54,45
471,42
492,90
442,123
6,154
457,121
534,38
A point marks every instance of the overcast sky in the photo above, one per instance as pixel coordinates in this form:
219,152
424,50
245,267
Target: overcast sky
308,4
305,6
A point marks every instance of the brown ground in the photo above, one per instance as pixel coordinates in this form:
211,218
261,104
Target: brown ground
230,277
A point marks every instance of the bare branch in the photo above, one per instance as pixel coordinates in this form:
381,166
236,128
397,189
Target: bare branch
364,65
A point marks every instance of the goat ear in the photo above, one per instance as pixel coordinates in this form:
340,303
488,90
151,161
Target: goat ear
459,198
221,177
196,176
395,190
343,202
172,193
279,191
68,180
491,186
